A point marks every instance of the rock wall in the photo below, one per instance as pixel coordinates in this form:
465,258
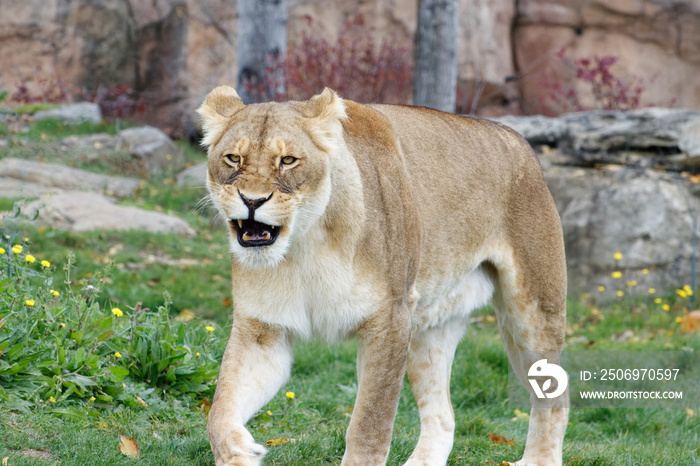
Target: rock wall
174,51
621,183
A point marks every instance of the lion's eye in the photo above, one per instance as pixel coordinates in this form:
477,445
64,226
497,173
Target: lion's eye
233,159
288,160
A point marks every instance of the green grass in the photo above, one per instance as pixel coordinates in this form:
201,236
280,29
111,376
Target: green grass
196,273
324,385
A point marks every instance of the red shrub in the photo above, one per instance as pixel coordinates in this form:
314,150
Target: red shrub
40,87
356,66
600,82
116,102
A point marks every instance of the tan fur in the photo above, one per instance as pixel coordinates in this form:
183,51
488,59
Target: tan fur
395,223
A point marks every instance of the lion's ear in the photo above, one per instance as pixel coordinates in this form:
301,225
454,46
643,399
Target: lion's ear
325,112
218,107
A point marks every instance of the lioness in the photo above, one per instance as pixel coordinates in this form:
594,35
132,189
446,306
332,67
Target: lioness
389,224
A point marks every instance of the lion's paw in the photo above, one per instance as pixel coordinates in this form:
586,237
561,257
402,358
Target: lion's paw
236,447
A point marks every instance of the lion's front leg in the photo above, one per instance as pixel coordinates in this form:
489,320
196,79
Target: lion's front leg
381,365
256,363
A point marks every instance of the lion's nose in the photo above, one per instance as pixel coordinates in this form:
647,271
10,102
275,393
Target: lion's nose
253,204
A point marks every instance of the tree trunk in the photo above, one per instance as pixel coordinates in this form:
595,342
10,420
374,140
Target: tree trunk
262,48
435,78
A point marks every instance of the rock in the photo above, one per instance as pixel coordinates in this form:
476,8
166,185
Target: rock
152,146
80,211
194,176
50,177
536,129
647,129
72,113
15,188
649,137
644,214
689,140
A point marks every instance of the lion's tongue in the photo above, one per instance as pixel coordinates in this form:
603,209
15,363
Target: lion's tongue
256,235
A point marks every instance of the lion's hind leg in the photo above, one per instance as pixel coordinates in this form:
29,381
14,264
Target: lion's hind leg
530,304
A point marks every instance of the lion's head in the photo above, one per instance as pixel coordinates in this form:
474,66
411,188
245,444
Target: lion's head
269,168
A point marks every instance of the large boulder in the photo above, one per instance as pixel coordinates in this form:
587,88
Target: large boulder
194,176
81,211
74,114
28,178
646,215
153,147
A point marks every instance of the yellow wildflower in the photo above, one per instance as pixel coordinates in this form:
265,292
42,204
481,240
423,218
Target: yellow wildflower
632,283
679,319
601,288
17,248
617,274
617,255
52,399
92,398
2,251
30,302
666,307
198,355
117,312
46,264
26,240
688,290
209,328
620,293
290,395
268,412
682,293
658,300
54,292
30,258
645,271
652,290
62,325
117,354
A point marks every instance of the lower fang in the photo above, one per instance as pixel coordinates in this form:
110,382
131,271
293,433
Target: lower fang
266,235
247,237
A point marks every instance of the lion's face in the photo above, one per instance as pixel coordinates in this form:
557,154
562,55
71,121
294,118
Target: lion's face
269,175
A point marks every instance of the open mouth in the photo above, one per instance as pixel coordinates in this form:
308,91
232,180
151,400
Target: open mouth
254,234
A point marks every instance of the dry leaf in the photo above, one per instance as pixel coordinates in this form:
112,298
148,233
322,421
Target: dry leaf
690,322
185,316
499,439
5,461
141,402
279,441
690,412
129,447
227,302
